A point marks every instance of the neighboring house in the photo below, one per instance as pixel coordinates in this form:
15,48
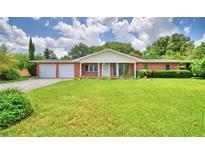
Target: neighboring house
23,73
106,63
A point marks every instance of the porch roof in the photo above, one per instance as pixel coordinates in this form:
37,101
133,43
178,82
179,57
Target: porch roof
107,56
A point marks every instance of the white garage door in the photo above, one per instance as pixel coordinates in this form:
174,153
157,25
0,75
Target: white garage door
47,70
66,70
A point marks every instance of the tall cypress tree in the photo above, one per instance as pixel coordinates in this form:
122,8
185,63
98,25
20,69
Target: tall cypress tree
31,49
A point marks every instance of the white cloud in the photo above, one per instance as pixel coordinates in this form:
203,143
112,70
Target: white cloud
187,29
36,18
143,31
140,32
14,37
47,23
198,42
88,34
121,31
107,21
17,40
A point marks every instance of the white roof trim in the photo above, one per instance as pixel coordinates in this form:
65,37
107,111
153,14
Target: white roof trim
105,51
51,61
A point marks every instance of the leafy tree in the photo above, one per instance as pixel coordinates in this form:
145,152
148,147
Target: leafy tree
136,53
79,50
121,47
94,49
158,48
49,54
31,50
39,57
6,58
65,57
176,46
198,67
23,60
179,43
199,52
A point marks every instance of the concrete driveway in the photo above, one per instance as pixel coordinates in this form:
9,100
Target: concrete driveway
31,84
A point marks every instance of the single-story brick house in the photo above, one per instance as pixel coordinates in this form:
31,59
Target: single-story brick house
106,63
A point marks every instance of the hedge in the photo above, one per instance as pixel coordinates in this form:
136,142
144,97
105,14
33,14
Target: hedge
171,74
143,73
14,107
9,74
164,74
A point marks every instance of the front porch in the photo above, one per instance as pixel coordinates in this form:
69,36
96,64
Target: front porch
101,70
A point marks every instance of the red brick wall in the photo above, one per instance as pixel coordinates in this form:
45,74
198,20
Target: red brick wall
131,69
157,66
90,74
77,70
175,66
37,69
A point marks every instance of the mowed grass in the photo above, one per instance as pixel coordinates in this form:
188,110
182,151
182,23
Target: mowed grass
156,107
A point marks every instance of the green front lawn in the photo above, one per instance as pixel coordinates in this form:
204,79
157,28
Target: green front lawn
156,107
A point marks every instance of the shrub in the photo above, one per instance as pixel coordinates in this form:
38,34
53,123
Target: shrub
14,106
32,69
198,68
143,73
171,74
9,74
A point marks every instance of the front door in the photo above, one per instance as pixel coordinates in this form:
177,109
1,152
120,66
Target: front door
106,70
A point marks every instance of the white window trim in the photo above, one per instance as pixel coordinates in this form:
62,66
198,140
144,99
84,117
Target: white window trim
93,65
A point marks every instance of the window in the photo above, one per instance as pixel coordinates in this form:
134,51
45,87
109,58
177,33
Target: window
168,67
95,67
91,67
145,66
86,68
124,70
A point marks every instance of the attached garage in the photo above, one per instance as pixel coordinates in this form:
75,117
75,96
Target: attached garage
66,70
47,70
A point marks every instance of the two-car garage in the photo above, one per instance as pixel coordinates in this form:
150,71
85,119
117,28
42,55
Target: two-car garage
56,70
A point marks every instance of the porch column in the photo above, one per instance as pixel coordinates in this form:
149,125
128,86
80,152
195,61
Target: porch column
117,69
98,70
80,70
134,70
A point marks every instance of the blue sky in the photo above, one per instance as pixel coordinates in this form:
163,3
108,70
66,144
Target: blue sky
61,34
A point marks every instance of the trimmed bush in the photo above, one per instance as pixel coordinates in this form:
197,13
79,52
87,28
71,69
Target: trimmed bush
198,68
9,74
171,74
14,107
144,73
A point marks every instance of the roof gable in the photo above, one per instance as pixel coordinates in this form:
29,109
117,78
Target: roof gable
108,56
